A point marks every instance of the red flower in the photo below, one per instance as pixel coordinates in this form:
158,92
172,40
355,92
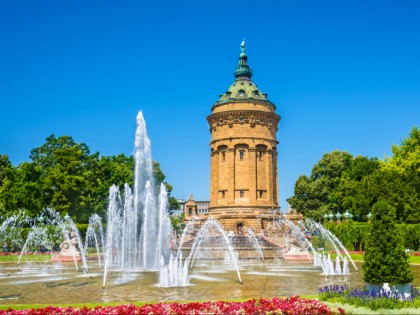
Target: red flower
289,305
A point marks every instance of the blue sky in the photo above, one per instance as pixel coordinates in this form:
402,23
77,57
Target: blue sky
344,75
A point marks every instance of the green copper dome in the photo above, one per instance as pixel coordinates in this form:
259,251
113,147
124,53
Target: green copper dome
243,88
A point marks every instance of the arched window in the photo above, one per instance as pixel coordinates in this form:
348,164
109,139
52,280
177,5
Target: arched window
222,149
241,149
261,150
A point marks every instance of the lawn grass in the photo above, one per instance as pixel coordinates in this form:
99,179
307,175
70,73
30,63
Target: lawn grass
359,257
47,257
414,259
352,309
34,257
353,256
90,305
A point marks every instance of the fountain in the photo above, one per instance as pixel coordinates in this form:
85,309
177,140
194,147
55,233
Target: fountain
332,239
298,248
138,227
211,243
255,243
44,232
135,258
173,274
95,236
297,245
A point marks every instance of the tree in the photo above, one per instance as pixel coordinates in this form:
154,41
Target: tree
21,190
5,167
111,170
312,194
406,157
396,180
5,172
349,193
403,170
67,176
160,178
385,258
176,222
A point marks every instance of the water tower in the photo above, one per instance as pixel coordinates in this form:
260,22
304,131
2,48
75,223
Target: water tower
243,166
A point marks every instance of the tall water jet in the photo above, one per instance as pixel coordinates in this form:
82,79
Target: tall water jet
173,274
212,243
332,239
138,225
95,236
255,243
10,229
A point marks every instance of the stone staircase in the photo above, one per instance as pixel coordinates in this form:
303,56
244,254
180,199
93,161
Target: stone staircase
243,244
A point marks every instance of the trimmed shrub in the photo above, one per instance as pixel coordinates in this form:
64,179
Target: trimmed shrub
385,258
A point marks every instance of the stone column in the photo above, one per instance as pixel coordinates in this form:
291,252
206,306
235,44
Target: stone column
230,160
275,178
214,178
269,176
252,176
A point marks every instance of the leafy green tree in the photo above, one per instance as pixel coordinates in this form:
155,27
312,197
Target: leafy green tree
111,170
400,193
397,180
339,182
5,167
176,222
21,190
349,193
5,171
67,175
403,170
406,157
64,175
385,258
160,178
312,194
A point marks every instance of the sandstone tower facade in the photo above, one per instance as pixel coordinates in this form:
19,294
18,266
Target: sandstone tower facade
243,149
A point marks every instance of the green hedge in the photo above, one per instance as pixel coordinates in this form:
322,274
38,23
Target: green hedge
354,235
18,236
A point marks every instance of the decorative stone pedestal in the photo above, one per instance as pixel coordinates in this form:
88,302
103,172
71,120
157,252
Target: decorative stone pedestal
295,253
68,250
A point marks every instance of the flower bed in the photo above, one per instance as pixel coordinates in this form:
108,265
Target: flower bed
290,305
372,299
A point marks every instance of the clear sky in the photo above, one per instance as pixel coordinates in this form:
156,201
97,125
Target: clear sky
344,75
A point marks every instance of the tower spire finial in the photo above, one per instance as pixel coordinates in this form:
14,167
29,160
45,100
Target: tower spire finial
243,70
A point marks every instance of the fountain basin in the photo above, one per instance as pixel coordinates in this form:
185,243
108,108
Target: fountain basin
61,258
297,257
60,283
